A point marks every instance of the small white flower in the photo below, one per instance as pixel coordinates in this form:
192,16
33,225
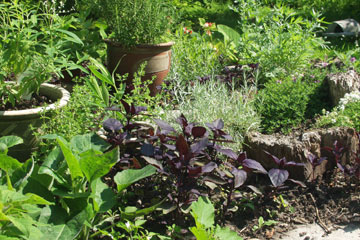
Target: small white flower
127,224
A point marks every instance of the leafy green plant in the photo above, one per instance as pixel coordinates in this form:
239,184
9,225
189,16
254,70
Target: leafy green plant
345,114
203,213
77,181
273,36
29,55
192,57
76,118
101,90
137,22
262,223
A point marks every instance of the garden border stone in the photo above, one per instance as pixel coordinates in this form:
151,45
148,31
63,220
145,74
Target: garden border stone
297,146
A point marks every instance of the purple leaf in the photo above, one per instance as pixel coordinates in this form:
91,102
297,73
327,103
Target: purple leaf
200,145
240,177
209,167
242,156
255,189
164,125
300,183
112,125
294,164
139,109
274,158
188,129
278,176
255,165
216,125
147,149
170,147
182,121
198,132
114,108
228,152
181,145
153,162
126,106
215,179
194,171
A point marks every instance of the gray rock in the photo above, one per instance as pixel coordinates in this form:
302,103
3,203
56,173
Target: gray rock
342,83
296,147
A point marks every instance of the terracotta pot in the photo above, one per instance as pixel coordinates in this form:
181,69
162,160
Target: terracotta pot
158,57
18,122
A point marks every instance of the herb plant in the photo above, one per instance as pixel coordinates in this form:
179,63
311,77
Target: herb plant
134,22
29,57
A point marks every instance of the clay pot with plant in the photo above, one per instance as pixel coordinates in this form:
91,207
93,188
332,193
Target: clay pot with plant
28,59
139,32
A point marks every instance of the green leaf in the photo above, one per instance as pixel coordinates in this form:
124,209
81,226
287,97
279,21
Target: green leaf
226,233
127,177
103,196
71,160
27,226
95,164
104,77
54,165
71,36
82,143
203,212
132,212
230,34
200,233
11,141
59,229
9,164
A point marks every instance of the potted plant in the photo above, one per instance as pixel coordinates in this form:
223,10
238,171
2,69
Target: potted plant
139,33
28,59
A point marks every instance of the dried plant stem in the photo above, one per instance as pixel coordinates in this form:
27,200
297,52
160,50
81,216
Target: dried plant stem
320,222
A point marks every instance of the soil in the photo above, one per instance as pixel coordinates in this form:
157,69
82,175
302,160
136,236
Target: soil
35,101
329,202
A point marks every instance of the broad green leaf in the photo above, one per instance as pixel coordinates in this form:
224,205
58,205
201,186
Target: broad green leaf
230,34
95,164
35,199
226,233
132,212
59,229
82,143
9,164
203,212
127,177
103,196
200,233
11,141
54,165
71,160
27,226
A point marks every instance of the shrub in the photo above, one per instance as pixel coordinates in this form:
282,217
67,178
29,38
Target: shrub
287,103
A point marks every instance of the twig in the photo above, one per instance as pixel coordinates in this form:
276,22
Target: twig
320,222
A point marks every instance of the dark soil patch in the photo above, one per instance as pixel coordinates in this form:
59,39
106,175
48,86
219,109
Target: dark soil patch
333,200
34,102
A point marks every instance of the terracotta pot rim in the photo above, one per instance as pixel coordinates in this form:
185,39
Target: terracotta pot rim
33,112
117,44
